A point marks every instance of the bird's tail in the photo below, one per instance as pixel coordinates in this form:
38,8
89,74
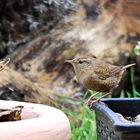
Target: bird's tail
129,65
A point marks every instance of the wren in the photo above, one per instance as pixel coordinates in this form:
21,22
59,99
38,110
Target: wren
95,74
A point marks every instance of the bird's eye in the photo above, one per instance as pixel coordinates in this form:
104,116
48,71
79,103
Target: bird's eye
80,62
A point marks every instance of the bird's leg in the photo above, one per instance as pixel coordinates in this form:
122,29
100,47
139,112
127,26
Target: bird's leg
97,100
102,97
88,101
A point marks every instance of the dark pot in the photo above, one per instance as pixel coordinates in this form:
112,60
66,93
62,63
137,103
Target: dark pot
110,126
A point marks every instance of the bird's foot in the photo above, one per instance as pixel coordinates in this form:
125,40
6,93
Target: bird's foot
91,102
91,97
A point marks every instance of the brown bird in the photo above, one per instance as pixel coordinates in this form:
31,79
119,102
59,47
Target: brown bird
97,75
4,63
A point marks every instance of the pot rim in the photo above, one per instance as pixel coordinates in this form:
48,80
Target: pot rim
113,117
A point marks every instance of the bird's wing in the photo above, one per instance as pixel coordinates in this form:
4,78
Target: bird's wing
105,70
116,70
102,71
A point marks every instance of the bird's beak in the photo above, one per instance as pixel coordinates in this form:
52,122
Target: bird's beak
69,61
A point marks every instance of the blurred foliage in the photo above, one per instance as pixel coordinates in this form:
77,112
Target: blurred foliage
137,49
82,120
135,93
21,17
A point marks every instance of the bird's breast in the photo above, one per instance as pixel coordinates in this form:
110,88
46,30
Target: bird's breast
100,85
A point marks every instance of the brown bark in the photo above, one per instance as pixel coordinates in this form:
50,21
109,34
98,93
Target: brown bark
42,60
14,85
